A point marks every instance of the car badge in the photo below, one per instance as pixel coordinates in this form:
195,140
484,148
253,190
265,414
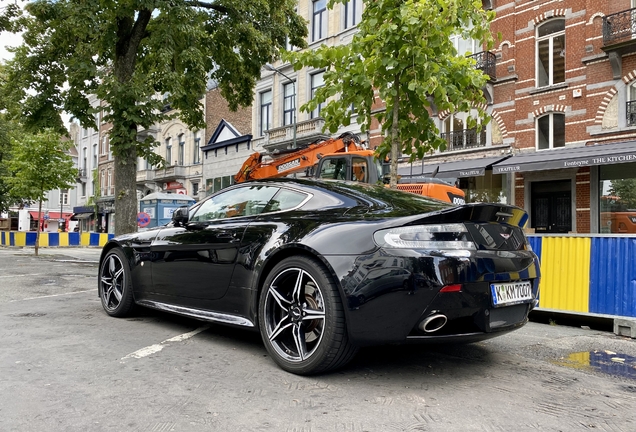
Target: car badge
505,235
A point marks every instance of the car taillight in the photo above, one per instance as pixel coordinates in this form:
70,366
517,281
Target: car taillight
446,236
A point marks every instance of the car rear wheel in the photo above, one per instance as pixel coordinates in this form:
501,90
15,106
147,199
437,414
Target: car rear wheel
115,285
301,318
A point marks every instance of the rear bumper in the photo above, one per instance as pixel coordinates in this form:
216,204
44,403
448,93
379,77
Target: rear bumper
390,309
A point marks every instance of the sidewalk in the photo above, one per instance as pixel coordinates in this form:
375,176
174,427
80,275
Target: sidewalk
68,253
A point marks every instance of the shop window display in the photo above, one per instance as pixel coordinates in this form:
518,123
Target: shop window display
617,196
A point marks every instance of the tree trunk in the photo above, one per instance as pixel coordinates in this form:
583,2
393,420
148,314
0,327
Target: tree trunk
130,32
395,139
126,192
37,235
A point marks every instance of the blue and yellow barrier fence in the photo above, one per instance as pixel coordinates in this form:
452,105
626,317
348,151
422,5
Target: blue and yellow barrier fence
28,238
587,273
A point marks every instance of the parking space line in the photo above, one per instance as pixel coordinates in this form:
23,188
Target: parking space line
54,295
152,349
21,275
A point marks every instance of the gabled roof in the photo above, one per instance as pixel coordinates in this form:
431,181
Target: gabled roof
225,135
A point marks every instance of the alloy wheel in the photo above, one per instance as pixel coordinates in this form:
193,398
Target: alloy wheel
112,279
294,314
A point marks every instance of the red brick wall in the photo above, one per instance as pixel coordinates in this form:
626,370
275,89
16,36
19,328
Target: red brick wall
517,21
216,109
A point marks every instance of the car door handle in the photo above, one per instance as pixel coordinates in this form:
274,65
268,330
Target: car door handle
226,236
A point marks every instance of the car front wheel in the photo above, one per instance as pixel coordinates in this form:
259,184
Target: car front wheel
301,318
115,285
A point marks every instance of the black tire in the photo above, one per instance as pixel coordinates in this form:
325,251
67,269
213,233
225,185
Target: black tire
301,318
115,284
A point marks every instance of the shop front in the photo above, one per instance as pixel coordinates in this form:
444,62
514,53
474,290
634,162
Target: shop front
474,176
85,217
586,189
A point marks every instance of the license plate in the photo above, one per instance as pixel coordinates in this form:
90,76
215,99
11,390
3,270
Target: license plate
508,293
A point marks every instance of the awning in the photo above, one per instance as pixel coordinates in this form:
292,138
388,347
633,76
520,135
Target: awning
52,215
572,157
457,169
78,216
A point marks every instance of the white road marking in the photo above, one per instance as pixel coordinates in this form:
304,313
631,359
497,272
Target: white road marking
152,349
55,295
21,275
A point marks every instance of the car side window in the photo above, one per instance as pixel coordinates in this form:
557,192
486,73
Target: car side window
241,201
285,199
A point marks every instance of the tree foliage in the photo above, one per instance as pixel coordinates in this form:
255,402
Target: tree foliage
402,55
40,162
128,52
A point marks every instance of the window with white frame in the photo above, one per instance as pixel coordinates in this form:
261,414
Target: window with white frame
551,53
266,112
317,81
289,103
64,197
102,184
104,148
465,46
352,13
95,156
319,20
551,131
197,148
84,159
181,155
111,186
169,151
457,134
631,104
83,189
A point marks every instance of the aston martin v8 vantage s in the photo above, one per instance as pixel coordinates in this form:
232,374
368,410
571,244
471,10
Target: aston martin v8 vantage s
322,268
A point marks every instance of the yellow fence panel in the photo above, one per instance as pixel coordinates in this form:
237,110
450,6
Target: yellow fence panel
565,273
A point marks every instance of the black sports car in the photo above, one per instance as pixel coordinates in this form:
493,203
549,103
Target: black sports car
322,268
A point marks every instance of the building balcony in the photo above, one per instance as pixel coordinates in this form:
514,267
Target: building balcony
282,138
619,30
486,62
619,38
145,175
82,174
170,173
464,139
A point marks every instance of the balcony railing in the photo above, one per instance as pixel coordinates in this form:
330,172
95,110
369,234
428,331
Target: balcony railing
306,132
486,62
82,173
631,113
464,139
619,27
169,173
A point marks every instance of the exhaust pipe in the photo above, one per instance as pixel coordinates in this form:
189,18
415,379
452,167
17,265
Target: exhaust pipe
433,323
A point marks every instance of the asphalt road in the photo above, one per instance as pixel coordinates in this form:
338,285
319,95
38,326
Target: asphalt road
66,366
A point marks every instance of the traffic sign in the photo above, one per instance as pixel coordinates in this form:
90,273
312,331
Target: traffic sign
143,219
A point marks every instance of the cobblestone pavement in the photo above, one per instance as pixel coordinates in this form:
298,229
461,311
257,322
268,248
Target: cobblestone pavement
66,366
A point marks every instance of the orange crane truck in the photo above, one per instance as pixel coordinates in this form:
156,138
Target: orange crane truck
343,158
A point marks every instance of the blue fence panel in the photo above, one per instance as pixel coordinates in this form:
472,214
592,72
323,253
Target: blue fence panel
11,239
94,239
54,239
73,239
30,238
536,244
613,276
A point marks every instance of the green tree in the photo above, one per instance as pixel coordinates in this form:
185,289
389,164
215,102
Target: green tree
402,53
40,162
128,52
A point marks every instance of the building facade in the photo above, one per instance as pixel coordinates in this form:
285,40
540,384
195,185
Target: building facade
564,100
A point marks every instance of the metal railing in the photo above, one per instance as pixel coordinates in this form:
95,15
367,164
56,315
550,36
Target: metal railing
619,26
486,62
631,113
464,139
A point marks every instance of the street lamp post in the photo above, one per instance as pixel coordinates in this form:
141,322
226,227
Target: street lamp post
293,83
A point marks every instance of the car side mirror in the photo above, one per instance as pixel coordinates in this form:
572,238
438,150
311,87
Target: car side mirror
180,216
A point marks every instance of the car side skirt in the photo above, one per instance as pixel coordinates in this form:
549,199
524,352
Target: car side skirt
203,315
